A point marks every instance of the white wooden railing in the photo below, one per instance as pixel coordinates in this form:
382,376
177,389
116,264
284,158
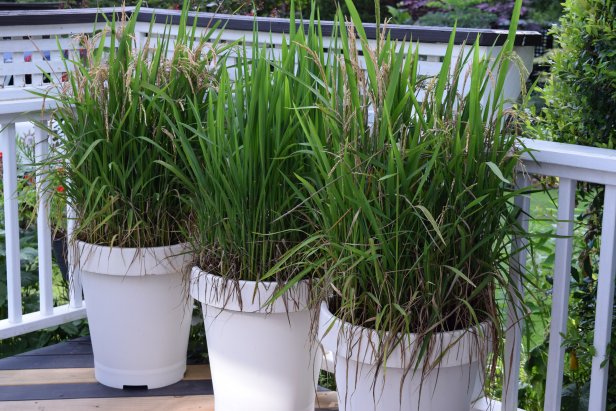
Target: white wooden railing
43,35
574,164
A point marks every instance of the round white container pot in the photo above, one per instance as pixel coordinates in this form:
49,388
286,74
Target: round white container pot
452,386
139,313
261,358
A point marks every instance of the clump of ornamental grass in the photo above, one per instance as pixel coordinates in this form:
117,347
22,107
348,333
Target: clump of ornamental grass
409,191
112,132
243,153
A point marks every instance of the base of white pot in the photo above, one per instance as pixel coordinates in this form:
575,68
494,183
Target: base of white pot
448,388
261,359
151,378
452,386
139,314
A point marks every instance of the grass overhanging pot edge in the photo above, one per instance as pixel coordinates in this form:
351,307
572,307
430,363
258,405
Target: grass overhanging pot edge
247,296
358,343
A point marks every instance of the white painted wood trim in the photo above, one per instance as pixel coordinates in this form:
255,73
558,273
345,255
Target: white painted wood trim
591,164
11,223
513,337
43,229
604,304
36,321
560,293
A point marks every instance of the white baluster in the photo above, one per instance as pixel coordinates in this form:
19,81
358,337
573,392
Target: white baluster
560,293
43,229
513,337
605,302
11,221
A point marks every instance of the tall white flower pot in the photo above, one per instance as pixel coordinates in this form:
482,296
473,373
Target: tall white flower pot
452,386
139,313
262,358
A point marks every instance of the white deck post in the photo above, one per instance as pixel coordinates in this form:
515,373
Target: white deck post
560,293
513,337
605,302
11,222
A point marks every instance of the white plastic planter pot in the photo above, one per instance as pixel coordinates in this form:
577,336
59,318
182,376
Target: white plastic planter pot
261,358
139,313
453,386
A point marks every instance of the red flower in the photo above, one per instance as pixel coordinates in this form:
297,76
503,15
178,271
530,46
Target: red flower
60,189
0,155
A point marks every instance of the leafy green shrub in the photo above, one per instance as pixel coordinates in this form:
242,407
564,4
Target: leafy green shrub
281,8
545,12
473,18
581,96
474,13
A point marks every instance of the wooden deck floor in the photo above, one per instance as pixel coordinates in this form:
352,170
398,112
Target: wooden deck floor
61,378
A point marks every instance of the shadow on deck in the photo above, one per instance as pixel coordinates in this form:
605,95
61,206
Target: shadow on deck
61,377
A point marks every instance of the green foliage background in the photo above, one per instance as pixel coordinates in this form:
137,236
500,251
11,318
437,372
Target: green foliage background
580,97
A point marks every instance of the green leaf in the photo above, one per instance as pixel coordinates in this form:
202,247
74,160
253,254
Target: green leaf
497,172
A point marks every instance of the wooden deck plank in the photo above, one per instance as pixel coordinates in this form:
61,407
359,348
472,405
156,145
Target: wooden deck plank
197,372
193,402
76,353
169,403
77,346
95,390
26,362
61,377
47,376
327,400
78,375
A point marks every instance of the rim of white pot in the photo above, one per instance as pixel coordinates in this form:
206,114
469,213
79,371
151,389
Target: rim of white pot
246,296
125,261
360,344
